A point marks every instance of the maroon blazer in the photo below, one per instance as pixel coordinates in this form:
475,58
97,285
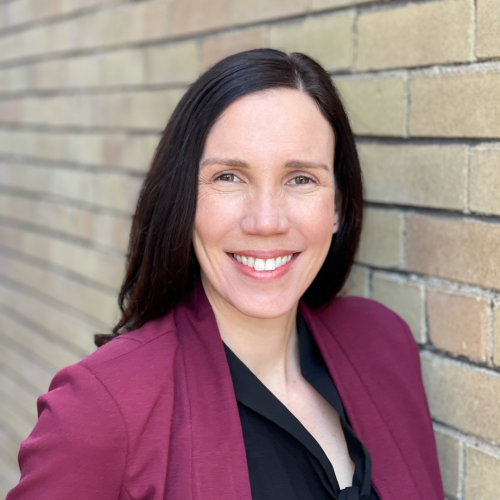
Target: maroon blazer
152,415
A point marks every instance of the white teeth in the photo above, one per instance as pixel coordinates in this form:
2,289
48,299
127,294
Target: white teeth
263,264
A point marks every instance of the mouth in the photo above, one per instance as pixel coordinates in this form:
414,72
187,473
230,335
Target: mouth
261,266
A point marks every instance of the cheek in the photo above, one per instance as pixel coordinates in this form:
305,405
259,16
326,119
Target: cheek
315,218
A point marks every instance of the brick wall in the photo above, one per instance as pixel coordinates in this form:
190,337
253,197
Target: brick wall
86,87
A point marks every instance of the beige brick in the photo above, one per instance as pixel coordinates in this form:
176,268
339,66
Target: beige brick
84,71
328,4
195,16
404,298
416,35
458,323
487,32
449,451
428,176
73,335
375,106
482,481
457,249
20,427
96,304
64,36
45,9
216,48
485,181
259,10
24,397
468,104
357,282
106,269
496,340
15,79
35,41
48,75
17,12
463,397
381,241
149,20
328,39
124,67
173,63
11,47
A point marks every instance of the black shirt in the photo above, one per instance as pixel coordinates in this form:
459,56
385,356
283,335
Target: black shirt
285,462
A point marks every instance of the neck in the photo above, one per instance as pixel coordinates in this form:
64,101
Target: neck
267,346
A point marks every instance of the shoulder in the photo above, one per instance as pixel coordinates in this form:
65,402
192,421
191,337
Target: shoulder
369,331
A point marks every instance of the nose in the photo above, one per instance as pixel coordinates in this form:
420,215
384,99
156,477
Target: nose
265,214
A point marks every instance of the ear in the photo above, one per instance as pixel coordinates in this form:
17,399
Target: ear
335,223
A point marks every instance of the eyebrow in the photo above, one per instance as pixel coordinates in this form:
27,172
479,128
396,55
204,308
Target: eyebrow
234,162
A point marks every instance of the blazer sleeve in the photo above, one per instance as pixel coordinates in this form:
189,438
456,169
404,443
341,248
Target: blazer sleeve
78,447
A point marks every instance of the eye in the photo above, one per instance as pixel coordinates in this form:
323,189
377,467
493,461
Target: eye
228,177
300,179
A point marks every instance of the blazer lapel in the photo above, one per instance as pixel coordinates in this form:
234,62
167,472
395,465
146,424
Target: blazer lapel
391,477
219,464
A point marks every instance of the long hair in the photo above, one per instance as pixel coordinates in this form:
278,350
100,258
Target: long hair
161,266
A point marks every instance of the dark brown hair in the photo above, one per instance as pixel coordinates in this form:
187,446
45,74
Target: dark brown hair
161,265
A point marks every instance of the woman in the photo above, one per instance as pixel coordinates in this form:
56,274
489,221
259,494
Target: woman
239,374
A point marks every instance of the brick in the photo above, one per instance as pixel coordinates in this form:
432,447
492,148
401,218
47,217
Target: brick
485,181
487,32
215,48
188,17
72,336
328,4
468,104
381,241
84,71
11,47
457,249
149,21
496,334
97,305
416,35
45,9
482,481
428,176
327,39
35,41
110,190
17,12
106,269
172,63
124,67
243,11
357,282
375,106
449,452
48,75
15,79
17,426
64,36
11,388
459,323
462,397
404,298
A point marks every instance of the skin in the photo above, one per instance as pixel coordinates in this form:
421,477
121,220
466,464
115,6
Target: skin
255,198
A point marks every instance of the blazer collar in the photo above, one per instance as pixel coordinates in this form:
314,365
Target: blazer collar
219,466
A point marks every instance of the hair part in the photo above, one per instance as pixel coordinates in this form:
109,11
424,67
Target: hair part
161,266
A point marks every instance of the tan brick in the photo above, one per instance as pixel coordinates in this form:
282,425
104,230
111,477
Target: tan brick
172,63
328,4
404,298
457,249
48,75
84,71
485,181
15,79
124,67
449,451
429,176
375,106
459,323
357,282
463,397
468,104
104,268
482,481
416,35
216,48
35,41
98,305
73,334
64,36
496,340
195,16
328,39
11,47
381,241
45,9
259,10
149,20
487,32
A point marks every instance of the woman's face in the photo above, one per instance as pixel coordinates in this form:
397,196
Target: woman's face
266,194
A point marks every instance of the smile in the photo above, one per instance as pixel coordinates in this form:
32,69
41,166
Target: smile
263,264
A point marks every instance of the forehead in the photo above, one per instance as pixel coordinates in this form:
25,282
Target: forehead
272,124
